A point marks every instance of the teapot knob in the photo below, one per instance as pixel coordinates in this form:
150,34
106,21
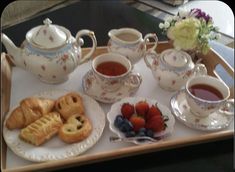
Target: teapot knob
47,21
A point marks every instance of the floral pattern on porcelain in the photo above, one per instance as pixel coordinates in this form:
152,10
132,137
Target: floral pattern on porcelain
92,88
134,50
172,76
51,66
206,106
182,111
50,51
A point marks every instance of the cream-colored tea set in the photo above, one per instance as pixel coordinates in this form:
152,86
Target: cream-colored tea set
51,53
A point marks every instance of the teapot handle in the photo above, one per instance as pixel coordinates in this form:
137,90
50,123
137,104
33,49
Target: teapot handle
79,40
153,36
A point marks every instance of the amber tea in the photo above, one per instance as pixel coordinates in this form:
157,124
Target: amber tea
206,92
111,68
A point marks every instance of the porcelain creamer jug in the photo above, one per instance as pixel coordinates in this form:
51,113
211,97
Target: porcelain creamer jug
50,51
172,68
130,43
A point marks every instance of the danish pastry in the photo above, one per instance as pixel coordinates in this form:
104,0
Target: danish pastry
77,128
42,129
30,110
69,105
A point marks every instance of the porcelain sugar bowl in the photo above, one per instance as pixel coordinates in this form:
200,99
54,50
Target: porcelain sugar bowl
172,68
50,51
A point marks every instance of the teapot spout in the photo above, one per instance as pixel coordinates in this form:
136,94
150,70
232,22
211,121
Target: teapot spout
12,50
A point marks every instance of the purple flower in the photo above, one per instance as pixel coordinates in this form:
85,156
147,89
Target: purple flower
198,13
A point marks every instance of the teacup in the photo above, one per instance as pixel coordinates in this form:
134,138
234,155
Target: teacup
112,71
130,43
206,95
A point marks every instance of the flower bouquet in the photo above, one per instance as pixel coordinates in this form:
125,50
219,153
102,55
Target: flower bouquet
190,30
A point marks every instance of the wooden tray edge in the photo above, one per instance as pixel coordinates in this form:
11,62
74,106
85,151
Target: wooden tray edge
124,152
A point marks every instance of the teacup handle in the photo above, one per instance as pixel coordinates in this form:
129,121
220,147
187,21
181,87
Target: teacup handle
153,36
228,108
200,69
80,42
133,81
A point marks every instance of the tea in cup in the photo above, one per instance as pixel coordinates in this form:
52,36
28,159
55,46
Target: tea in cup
112,71
206,94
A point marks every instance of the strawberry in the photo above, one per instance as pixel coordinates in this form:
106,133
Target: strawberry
156,123
137,122
153,111
127,110
142,108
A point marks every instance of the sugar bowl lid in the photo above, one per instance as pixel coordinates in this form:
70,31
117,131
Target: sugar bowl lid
47,36
176,59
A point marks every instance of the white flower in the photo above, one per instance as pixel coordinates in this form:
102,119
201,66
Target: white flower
216,29
161,25
212,35
169,19
183,12
175,18
166,24
217,36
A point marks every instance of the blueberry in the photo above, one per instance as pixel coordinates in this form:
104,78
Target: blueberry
118,121
123,127
141,134
126,126
150,133
130,134
144,130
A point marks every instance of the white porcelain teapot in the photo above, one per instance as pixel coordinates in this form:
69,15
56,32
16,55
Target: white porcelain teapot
50,51
172,68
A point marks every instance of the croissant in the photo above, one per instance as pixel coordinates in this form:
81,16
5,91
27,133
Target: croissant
69,105
42,129
30,110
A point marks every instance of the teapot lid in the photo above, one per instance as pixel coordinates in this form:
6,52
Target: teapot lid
47,36
176,58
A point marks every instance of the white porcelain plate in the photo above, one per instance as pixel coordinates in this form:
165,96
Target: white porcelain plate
94,90
181,110
116,110
55,149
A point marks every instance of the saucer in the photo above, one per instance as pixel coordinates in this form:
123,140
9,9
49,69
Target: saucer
94,90
181,110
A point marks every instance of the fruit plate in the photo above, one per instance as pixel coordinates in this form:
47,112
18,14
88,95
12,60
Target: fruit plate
116,110
55,149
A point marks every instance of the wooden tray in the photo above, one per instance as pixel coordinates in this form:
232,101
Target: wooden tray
120,151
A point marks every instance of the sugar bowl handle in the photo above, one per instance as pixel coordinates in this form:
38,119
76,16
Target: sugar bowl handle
91,34
154,57
200,69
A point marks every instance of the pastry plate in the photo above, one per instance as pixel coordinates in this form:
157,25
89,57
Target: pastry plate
116,110
182,112
91,88
55,149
